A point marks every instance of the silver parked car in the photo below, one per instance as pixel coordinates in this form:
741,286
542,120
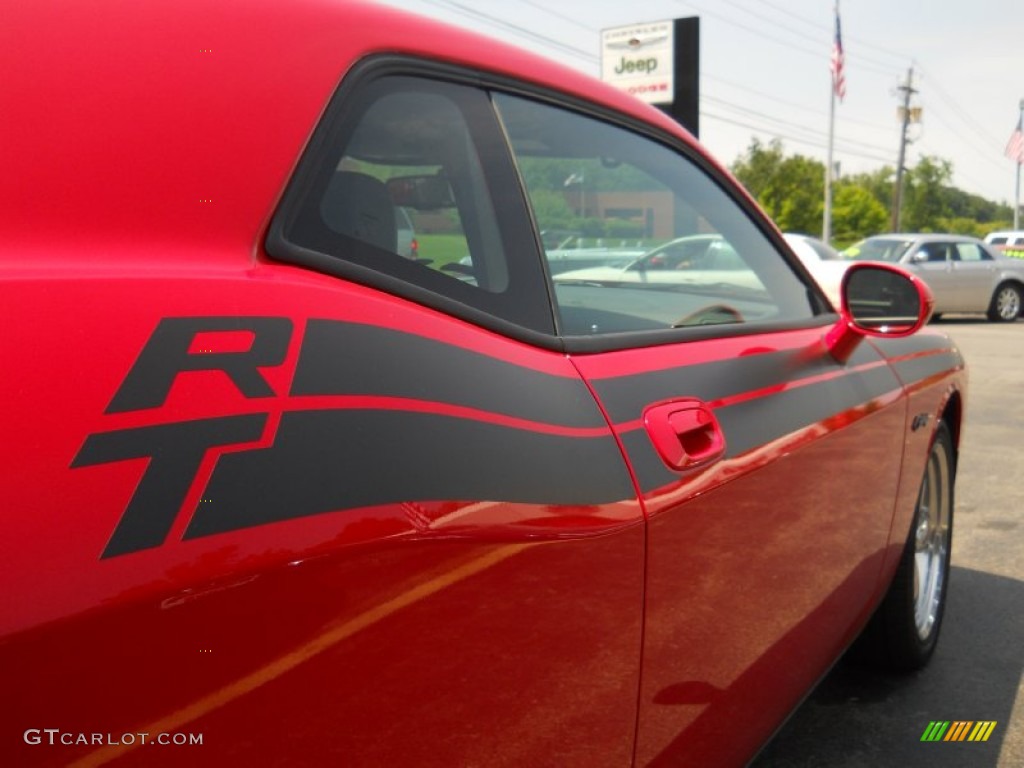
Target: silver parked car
965,274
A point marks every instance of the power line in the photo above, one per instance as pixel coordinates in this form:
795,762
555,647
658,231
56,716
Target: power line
565,17
847,143
789,137
988,156
828,29
864,62
957,110
860,62
956,171
820,55
796,126
473,13
775,100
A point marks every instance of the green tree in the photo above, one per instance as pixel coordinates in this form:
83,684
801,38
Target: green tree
759,167
968,206
926,199
804,206
790,189
552,210
856,214
961,225
879,183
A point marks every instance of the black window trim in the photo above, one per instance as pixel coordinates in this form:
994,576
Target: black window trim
378,66
483,308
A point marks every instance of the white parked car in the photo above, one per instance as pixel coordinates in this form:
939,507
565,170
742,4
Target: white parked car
695,260
1010,243
825,263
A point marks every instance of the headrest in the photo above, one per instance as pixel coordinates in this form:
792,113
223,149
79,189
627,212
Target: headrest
358,205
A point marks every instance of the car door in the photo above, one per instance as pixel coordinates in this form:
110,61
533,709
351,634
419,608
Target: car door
974,270
767,469
933,261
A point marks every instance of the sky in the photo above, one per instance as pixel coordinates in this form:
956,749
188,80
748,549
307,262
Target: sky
765,72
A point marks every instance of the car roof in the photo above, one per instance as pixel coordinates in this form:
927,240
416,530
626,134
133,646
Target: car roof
801,237
925,237
813,247
165,123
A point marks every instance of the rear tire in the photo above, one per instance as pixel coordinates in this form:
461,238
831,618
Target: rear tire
904,631
1005,306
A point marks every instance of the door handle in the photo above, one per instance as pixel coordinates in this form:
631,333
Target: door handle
685,432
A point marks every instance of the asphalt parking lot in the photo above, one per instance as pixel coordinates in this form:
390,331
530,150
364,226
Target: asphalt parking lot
856,718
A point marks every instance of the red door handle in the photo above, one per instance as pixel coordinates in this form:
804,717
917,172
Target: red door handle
685,432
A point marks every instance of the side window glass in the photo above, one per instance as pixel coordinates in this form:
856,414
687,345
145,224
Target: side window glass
408,161
408,185
970,252
637,236
934,251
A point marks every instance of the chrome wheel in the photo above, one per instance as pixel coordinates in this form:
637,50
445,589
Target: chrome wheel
932,542
1005,304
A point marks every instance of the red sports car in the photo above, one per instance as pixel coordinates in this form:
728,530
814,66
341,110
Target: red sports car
277,490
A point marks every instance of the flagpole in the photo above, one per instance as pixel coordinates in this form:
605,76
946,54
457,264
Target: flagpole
1016,203
826,229
837,88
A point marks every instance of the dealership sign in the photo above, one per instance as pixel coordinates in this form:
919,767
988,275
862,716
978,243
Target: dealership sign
639,59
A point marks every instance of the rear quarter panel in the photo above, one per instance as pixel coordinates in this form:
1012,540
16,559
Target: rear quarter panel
311,594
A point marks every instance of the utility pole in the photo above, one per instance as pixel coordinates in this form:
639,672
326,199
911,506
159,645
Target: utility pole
897,192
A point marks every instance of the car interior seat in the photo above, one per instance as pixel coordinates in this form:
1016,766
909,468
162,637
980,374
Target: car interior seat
359,206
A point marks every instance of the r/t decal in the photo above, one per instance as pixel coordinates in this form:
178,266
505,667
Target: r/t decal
497,431
167,354
175,452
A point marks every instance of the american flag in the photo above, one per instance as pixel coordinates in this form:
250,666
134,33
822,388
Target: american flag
836,64
1015,146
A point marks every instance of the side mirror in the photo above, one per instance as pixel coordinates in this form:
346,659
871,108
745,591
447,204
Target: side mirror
878,300
423,193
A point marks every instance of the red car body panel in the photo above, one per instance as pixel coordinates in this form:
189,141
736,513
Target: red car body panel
143,163
211,622
729,602
198,112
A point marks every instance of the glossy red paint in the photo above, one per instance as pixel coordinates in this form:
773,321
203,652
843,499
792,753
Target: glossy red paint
206,124
935,397
729,605
685,433
152,147
231,630
844,337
